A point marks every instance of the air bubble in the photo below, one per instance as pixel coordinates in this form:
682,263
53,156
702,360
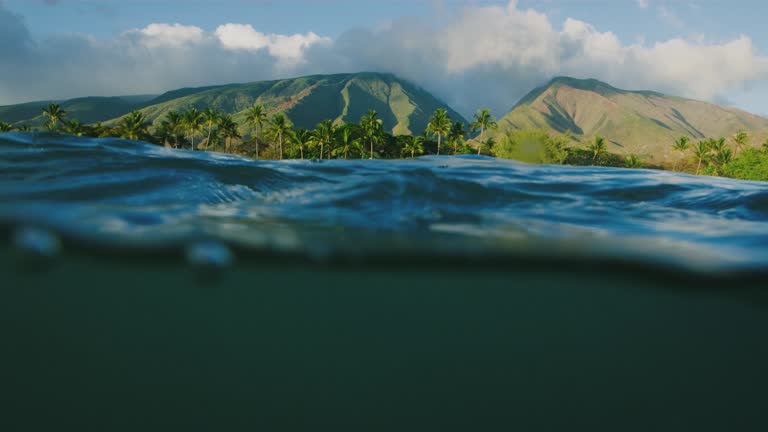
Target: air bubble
37,242
209,254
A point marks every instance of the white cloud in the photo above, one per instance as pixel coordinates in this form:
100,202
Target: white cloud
493,55
289,49
174,35
503,36
642,4
677,66
480,56
241,36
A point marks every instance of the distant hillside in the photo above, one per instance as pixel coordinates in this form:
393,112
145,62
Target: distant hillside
633,122
86,109
403,107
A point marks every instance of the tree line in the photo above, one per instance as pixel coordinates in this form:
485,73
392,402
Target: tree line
274,137
541,146
727,157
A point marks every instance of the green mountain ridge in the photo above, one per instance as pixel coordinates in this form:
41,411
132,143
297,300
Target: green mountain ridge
90,109
633,122
403,107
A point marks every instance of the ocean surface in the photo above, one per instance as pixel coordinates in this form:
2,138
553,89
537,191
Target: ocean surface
442,293
117,195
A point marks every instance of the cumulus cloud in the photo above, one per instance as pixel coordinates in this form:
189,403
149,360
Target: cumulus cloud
153,59
491,56
479,56
174,35
288,49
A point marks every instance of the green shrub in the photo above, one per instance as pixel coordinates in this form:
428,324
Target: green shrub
752,164
532,145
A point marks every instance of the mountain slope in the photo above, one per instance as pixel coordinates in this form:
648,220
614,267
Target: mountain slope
403,107
633,122
86,109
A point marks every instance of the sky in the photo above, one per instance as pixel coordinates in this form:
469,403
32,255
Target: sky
470,53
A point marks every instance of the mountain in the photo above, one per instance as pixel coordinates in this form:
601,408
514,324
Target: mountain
403,107
633,122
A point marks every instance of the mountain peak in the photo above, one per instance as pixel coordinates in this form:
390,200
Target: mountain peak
586,84
589,84
633,122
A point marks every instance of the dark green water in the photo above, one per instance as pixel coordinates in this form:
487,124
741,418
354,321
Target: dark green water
96,344
147,289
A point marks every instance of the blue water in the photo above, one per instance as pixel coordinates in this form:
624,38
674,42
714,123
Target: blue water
116,194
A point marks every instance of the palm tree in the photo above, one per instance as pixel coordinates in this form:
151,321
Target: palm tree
173,124
346,140
741,139
456,135
721,159
133,126
487,144
100,131
700,153
256,116
719,154
279,128
413,145
717,146
54,114
598,148
228,130
24,128
439,124
680,145
483,120
5,127
193,124
210,117
359,147
302,138
73,127
323,136
162,134
371,126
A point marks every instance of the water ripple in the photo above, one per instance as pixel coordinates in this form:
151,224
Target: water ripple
126,194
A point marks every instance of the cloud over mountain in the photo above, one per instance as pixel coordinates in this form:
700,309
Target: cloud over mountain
480,56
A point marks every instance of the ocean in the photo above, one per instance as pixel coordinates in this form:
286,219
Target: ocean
152,288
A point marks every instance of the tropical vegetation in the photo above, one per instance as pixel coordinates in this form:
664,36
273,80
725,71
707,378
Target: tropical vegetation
55,114
483,121
260,135
727,157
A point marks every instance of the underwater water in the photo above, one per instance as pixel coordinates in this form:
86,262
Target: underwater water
120,195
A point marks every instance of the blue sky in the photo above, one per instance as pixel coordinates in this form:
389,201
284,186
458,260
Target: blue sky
642,23
659,20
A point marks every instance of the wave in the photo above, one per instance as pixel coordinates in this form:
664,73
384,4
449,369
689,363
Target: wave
118,194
